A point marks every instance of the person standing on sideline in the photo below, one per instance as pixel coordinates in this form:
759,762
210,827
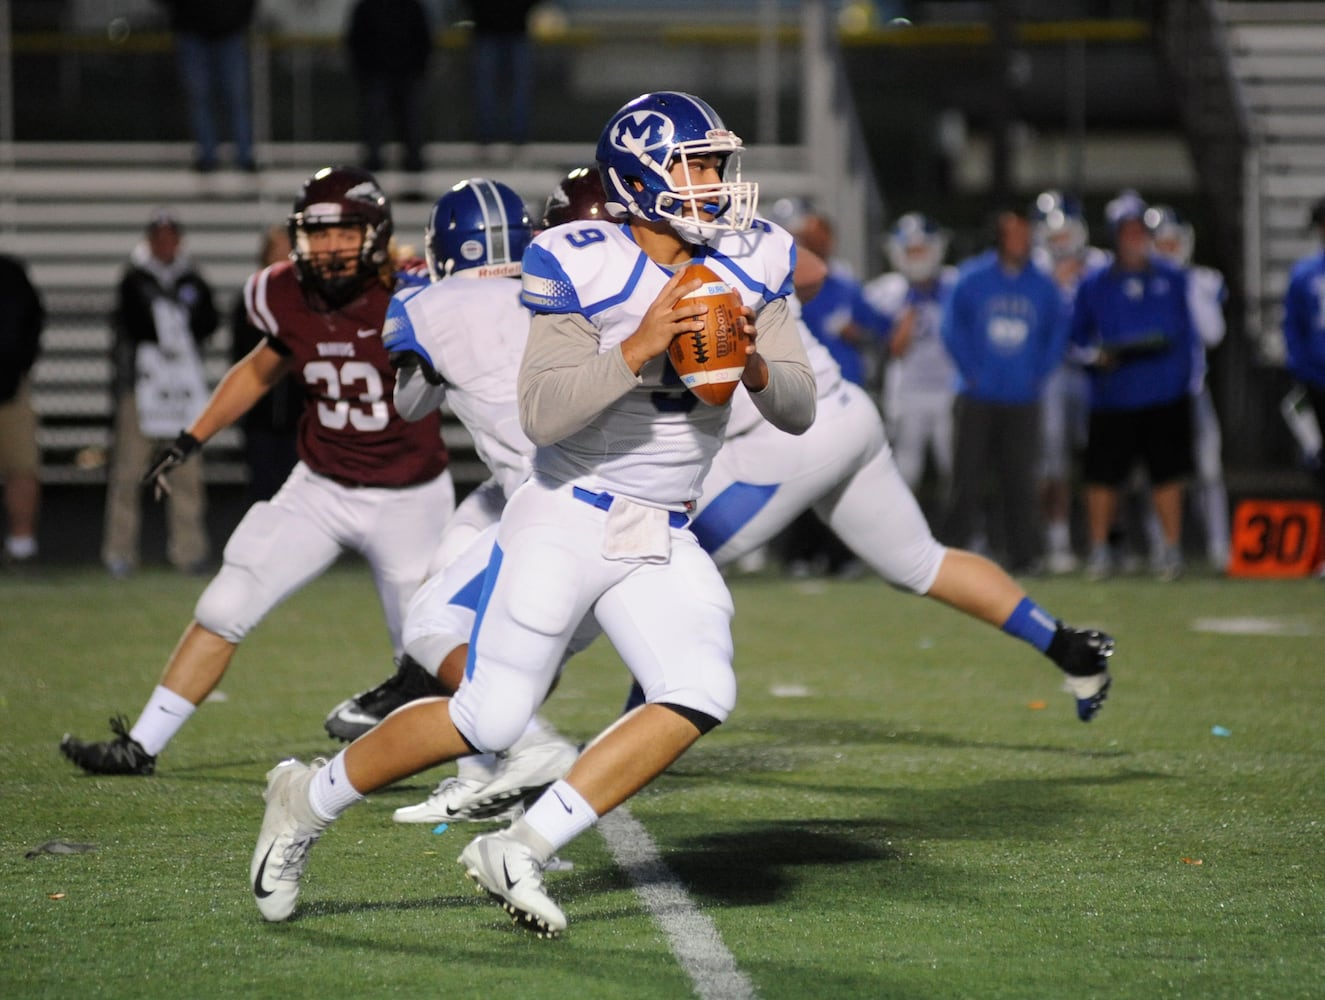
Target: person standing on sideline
367,481
1304,331
603,521
390,44
1002,328
502,70
1063,251
1175,241
270,438
164,313
211,50
22,316
1132,327
919,378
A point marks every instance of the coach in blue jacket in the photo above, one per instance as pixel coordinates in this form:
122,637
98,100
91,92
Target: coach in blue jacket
1002,329
1304,327
1132,327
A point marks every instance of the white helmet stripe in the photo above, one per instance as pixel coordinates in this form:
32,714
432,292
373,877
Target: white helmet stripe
495,221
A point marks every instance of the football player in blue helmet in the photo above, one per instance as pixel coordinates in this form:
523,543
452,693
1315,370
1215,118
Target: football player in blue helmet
916,247
1059,224
646,138
1174,238
479,223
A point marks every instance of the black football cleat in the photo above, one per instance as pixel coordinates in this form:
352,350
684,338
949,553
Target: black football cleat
122,755
355,716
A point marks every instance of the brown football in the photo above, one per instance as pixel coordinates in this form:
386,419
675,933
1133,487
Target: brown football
710,361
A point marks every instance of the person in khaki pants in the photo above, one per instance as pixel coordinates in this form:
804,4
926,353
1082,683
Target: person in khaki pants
164,312
22,316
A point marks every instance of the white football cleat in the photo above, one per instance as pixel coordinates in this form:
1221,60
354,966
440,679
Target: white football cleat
535,761
289,831
454,800
509,872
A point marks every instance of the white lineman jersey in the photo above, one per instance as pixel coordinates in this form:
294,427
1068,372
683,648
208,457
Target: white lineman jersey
475,330
655,442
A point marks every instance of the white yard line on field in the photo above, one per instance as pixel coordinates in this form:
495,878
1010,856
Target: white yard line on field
694,939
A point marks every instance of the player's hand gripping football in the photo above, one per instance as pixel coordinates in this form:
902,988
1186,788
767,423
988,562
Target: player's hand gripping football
166,459
668,316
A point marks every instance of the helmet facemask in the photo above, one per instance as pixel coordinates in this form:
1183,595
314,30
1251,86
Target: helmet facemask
644,143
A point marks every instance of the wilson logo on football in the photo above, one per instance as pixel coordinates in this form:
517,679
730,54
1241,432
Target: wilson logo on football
711,361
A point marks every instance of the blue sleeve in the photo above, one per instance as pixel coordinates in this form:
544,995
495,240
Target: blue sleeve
863,314
1082,330
955,330
545,287
398,336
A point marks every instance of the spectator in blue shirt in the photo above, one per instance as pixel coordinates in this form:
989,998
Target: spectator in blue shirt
1304,329
1003,331
1132,327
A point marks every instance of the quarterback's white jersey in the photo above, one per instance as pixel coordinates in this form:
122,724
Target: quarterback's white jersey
474,330
656,441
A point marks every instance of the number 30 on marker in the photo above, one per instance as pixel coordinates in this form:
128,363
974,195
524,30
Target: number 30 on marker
1275,538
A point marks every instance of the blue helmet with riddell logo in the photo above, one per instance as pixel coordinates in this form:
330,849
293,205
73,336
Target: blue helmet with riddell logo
477,224
643,141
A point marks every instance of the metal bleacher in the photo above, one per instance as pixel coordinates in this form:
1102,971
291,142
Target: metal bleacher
73,212
1278,58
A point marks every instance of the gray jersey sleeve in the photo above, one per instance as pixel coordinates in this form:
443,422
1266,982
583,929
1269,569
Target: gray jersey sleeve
564,381
788,401
414,397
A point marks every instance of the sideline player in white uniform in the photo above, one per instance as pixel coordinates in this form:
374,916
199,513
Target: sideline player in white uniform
622,448
920,380
1174,240
367,481
459,340
1062,252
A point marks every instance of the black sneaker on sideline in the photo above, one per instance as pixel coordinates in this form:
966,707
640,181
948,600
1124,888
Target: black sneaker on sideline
122,755
355,716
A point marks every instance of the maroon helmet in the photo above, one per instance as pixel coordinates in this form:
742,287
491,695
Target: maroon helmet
341,197
579,196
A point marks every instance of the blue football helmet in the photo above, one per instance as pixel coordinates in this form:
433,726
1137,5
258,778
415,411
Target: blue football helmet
916,247
1059,224
646,138
1174,238
478,224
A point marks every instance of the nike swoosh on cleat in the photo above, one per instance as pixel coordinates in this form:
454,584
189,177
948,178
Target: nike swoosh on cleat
507,876
258,890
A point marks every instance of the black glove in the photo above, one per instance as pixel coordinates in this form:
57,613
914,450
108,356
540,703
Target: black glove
166,459
413,359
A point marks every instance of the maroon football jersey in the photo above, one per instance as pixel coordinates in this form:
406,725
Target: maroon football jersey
350,430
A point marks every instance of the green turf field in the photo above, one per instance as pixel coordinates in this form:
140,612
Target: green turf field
887,814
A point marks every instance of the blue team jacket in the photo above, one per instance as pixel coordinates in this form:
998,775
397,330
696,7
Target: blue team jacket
1304,321
1003,331
1145,312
